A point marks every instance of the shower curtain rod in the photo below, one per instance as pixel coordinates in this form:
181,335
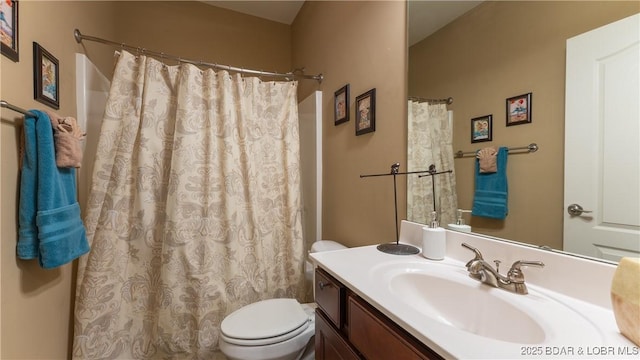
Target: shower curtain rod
79,37
447,101
8,105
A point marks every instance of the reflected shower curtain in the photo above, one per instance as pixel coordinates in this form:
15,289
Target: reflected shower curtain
193,212
430,141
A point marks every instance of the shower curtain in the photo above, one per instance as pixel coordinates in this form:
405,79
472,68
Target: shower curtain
193,212
430,141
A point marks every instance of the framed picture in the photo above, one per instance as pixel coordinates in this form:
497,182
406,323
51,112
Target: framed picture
46,78
482,129
9,29
366,112
519,109
341,105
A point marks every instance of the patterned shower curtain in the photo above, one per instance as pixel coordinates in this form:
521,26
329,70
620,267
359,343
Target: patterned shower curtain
430,141
193,211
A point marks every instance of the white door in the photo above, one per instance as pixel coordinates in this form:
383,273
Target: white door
602,142
310,120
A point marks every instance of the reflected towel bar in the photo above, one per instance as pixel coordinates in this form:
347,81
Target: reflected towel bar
447,101
533,147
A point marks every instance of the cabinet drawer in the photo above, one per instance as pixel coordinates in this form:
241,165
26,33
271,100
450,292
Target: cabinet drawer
377,337
329,344
330,297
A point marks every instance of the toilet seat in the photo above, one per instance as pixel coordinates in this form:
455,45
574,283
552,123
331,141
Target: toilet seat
265,322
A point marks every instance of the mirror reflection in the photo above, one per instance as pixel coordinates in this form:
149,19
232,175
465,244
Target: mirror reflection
494,51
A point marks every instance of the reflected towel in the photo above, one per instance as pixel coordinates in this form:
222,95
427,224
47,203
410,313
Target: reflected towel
50,228
487,160
490,198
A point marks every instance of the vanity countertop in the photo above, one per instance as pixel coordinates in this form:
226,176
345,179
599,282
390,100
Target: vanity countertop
362,270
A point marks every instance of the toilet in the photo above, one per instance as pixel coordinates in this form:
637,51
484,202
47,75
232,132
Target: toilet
273,329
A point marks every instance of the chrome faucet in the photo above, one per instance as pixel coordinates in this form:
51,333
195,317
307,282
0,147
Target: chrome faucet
484,272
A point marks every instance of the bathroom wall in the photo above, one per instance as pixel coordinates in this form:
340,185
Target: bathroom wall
496,51
362,43
202,32
36,305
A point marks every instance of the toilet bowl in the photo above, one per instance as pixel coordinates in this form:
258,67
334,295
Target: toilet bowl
274,329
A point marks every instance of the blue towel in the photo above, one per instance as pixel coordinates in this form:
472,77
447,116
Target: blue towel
491,194
50,228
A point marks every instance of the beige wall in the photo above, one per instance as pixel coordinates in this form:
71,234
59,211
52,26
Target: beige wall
360,43
496,51
202,32
36,312
36,303
363,44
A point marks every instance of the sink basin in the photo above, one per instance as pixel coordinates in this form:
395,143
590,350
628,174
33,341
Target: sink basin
467,306
444,293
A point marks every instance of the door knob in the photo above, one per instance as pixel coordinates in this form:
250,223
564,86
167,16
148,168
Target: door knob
576,210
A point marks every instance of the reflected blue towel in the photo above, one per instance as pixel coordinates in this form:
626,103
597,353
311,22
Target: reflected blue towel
50,228
491,194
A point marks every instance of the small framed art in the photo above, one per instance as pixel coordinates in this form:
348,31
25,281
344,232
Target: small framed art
482,128
341,105
366,112
9,29
46,77
519,109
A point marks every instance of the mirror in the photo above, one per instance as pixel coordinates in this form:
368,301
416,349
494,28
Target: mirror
494,51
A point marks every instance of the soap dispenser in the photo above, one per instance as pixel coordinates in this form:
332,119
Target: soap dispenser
434,242
460,225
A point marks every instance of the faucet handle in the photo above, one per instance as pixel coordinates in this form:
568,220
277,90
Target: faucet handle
515,273
497,262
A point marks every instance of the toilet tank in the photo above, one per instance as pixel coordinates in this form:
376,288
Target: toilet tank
320,246
326,245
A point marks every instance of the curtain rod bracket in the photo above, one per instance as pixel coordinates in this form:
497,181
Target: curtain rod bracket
77,35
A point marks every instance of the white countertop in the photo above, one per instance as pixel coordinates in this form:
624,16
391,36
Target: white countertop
356,267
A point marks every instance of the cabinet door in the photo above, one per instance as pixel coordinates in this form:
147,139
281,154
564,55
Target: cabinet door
329,344
377,337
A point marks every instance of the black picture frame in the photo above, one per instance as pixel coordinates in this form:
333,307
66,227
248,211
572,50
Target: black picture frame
482,129
46,77
341,105
9,30
366,112
519,109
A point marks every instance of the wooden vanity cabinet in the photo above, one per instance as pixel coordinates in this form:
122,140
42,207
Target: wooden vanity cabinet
347,327
331,343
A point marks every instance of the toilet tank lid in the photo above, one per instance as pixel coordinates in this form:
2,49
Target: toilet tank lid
264,319
326,245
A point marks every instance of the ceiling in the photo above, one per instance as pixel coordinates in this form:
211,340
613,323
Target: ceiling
425,16
281,11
